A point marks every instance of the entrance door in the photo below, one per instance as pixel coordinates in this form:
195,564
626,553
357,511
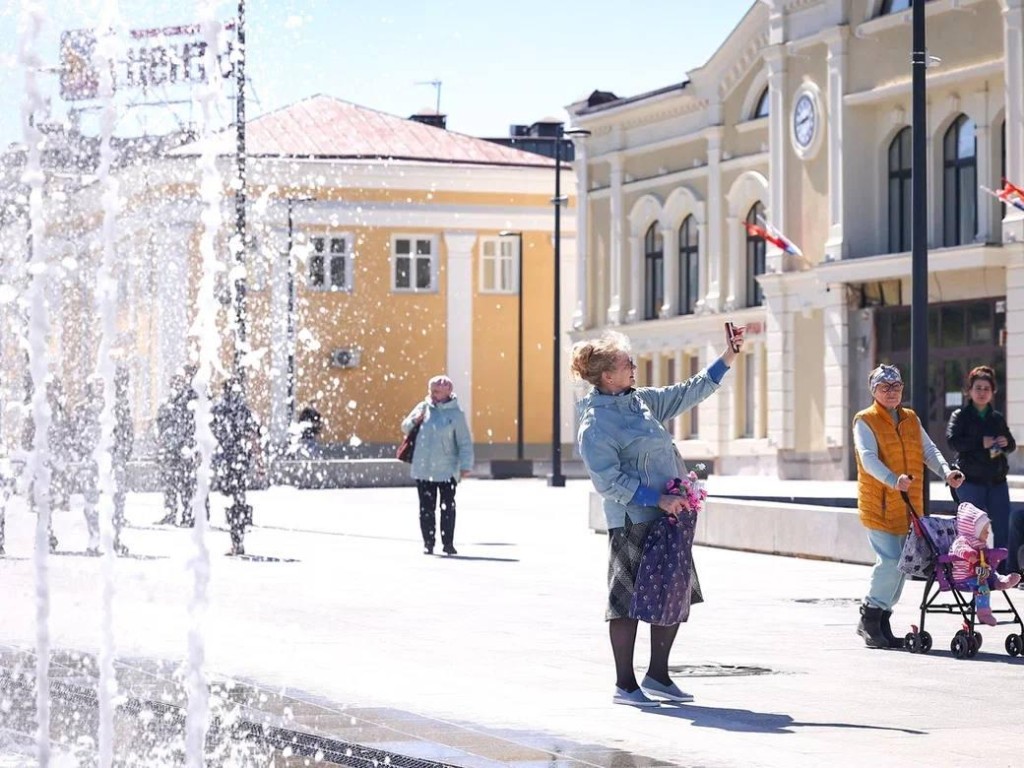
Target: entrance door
961,335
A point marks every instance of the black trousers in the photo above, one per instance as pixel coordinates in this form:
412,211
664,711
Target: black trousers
428,492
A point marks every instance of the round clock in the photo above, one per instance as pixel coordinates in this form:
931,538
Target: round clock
805,130
805,120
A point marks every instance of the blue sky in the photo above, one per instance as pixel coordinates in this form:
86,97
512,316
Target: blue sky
499,63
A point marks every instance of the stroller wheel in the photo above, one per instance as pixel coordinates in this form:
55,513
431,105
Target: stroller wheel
1015,644
912,642
977,640
926,641
960,645
973,645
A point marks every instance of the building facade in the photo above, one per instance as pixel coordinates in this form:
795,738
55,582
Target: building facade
383,251
802,119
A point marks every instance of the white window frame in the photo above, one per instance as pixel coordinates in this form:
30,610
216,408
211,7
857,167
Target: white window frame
329,256
433,257
505,260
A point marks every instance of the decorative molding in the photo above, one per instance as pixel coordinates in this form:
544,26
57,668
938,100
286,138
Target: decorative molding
750,55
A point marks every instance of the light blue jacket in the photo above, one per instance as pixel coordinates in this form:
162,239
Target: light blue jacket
444,446
625,446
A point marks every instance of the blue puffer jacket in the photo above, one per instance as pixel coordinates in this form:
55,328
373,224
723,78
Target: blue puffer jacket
624,445
444,446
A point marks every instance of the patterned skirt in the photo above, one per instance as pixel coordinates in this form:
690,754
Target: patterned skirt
625,549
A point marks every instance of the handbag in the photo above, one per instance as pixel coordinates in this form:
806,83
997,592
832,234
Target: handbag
408,446
666,581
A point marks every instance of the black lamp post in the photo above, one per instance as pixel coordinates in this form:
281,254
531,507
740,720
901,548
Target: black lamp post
241,228
919,228
520,467
556,479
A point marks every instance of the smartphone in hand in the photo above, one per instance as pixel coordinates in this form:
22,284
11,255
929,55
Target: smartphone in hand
733,332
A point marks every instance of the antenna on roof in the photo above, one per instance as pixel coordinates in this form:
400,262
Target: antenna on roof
437,87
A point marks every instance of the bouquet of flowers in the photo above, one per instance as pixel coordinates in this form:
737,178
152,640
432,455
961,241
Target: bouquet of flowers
691,488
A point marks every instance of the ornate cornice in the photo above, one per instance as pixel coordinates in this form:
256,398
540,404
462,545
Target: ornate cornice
742,65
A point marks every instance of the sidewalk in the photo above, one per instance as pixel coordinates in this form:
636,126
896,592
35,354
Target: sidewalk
499,657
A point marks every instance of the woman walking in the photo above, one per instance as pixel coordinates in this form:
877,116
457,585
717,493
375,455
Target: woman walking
443,455
631,458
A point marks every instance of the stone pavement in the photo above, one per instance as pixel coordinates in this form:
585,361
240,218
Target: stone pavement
499,657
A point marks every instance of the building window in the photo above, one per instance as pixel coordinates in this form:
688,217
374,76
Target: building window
330,263
689,267
895,6
755,257
654,274
499,265
960,183
900,188
413,264
763,105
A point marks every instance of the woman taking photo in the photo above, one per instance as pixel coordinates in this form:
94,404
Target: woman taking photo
631,458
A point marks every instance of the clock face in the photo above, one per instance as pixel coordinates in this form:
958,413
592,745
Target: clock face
805,121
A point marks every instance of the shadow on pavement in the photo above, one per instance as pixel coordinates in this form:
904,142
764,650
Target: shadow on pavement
481,559
755,722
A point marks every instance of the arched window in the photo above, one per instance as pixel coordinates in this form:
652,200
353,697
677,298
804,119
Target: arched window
689,268
763,105
755,257
654,275
900,188
960,183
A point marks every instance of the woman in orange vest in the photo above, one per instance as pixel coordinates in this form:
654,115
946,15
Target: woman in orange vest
892,451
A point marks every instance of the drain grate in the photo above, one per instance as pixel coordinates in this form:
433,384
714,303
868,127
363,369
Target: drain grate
718,670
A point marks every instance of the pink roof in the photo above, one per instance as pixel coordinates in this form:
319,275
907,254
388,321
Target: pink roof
322,126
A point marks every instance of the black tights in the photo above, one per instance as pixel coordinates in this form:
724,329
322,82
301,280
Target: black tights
623,637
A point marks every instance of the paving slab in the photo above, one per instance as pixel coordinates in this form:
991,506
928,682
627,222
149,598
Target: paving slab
499,656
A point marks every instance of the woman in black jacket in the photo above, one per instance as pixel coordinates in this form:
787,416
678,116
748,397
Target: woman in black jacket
981,438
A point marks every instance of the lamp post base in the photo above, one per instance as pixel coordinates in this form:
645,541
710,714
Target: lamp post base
503,469
556,481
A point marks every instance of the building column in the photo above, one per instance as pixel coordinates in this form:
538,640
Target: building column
635,269
670,272
459,320
1015,344
615,282
569,257
779,362
837,339
1013,79
778,143
170,257
837,45
581,314
710,234
276,243
734,297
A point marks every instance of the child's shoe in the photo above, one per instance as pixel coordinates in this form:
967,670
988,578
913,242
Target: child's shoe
985,616
1007,582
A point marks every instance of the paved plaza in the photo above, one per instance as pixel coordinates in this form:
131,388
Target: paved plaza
499,656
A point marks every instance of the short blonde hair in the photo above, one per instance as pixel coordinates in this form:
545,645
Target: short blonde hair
440,379
591,359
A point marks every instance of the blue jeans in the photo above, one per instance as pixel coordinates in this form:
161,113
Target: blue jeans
886,578
995,500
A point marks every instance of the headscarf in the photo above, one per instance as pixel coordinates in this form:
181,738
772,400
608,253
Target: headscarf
884,374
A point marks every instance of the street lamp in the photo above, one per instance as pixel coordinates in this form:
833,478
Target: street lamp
520,467
557,479
919,225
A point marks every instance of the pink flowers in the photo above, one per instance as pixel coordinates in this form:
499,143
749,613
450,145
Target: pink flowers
691,489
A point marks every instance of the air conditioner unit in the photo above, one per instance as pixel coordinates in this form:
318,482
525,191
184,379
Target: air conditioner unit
345,358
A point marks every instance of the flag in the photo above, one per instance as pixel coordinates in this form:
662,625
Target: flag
773,236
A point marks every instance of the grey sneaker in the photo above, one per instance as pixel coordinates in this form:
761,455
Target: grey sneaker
652,687
634,699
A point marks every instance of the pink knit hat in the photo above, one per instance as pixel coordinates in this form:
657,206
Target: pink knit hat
971,522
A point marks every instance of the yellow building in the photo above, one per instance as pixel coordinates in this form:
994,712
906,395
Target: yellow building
384,251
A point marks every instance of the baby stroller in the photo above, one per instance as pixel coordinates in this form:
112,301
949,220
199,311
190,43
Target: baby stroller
931,563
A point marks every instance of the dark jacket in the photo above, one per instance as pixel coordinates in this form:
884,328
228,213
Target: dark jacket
965,431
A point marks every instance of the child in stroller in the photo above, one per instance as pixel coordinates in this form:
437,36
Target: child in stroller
972,566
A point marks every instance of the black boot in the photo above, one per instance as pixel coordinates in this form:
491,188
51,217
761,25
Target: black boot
870,627
894,642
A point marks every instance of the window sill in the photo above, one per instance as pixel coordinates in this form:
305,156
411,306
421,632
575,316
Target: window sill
889,21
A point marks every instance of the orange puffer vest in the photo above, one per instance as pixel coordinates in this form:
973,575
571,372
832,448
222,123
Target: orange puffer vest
899,447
